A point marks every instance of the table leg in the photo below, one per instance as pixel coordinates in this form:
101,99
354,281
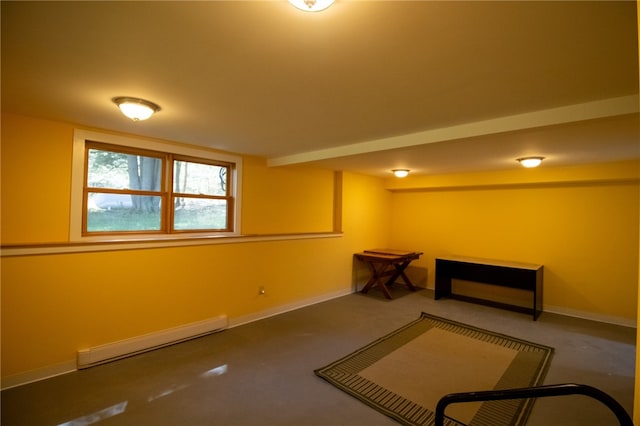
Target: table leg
406,279
399,273
376,277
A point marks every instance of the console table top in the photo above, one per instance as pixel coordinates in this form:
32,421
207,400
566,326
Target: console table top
492,262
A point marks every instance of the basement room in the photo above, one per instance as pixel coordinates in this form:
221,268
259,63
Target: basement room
319,212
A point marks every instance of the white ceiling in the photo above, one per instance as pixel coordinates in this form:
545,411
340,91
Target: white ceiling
434,86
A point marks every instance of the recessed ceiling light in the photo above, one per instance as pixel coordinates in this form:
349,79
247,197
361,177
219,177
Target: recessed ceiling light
530,162
135,108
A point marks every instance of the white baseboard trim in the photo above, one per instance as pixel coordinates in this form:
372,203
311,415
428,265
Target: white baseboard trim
561,310
70,366
38,374
245,319
609,319
111,351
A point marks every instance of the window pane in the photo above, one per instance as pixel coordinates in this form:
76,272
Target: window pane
119,212
198,178
199,213
115,170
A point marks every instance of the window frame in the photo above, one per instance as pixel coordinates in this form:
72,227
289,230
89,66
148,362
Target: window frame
173,194
172,151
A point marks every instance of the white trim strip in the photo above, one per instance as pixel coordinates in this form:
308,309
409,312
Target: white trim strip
111,351
609,319
71,365
245,319
591,316
38,374
61,248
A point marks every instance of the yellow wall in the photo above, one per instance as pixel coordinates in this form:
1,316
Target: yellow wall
581,223
55,304
37,154
636,408
36,176
265,189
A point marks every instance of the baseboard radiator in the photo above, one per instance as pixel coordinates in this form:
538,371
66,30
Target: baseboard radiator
135,345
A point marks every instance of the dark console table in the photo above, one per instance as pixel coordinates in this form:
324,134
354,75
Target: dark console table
522,276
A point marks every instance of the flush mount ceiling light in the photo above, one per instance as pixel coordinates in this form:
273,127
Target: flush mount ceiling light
400,172
135,108
530,162
312,5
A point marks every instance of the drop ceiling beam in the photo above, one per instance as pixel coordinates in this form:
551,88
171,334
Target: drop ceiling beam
549,117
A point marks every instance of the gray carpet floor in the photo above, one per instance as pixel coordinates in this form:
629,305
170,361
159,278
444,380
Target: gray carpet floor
262,373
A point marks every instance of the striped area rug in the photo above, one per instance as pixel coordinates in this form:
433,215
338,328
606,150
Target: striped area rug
406,372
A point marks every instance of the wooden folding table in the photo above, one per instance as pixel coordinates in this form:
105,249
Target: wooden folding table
387,263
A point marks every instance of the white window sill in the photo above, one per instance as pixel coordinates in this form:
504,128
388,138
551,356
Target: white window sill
150,243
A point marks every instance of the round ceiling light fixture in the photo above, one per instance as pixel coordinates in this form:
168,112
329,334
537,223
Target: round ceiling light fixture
135,108
530,162
400,172
312,5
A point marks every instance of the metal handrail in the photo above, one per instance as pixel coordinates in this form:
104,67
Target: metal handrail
533,392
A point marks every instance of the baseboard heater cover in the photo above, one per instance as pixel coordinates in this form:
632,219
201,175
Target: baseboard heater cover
135,345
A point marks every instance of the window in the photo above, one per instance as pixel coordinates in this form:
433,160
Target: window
129,190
